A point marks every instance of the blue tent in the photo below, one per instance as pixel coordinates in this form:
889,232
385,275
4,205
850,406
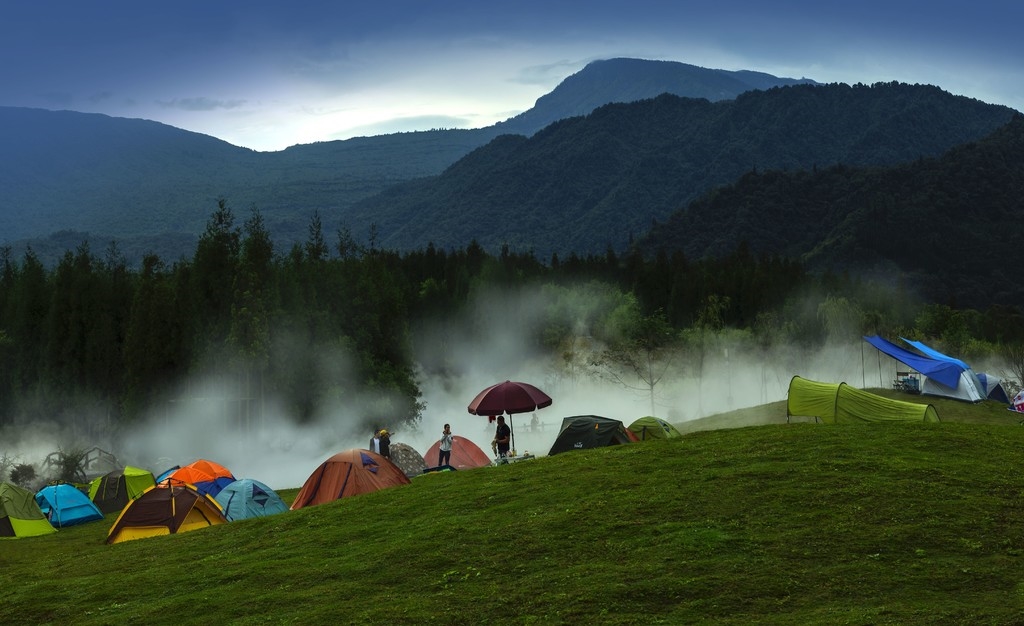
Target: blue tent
945,372
64,505
247,498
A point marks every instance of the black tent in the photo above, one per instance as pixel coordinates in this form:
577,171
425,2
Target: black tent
582,432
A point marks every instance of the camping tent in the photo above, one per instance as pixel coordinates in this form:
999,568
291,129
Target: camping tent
20,515
65,505
839,403
465,454
166,510
582,432
207,476
247,498
407,459
112,491
346,474
946,377
651,427
992,387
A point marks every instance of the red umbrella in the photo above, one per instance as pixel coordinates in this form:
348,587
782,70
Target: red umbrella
509,397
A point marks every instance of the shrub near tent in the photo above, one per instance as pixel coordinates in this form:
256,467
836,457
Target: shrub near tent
20,515
166,510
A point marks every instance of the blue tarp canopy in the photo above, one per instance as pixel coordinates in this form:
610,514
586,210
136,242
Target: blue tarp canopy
935,354
943,371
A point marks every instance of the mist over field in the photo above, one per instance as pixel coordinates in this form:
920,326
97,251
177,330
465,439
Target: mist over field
496,340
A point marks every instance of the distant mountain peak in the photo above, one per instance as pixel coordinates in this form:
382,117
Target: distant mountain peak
625,79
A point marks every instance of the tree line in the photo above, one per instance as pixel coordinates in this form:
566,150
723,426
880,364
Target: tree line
93,341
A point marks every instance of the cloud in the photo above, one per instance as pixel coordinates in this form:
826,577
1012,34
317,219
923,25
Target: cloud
405,124
201,104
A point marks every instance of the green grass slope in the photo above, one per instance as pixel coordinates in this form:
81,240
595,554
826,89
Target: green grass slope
776,524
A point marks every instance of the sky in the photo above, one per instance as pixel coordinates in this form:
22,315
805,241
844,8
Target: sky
267,75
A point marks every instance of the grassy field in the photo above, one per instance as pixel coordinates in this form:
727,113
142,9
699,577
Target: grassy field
744,520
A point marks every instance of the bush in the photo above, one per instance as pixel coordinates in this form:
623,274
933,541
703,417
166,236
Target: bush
23,475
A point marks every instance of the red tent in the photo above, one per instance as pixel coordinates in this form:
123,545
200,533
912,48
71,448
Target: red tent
465,454
348,473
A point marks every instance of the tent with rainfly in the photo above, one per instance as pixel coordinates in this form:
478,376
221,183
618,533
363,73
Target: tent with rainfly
944,376
113,490
583,432
208,477
65,505
834,403
247,498
465,454
20,515
349,473
166,510
651,427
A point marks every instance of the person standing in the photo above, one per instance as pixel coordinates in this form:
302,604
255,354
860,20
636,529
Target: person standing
502,437
385,443
375,442
444,451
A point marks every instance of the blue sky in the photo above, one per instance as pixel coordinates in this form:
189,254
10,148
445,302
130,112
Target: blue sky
267,75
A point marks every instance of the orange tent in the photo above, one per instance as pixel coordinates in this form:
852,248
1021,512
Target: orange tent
465,454
207,476
348,473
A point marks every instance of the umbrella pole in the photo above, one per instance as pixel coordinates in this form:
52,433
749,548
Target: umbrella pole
512,434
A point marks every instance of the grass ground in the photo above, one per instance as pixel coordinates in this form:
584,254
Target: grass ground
745,520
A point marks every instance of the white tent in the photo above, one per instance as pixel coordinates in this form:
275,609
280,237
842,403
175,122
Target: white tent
968,387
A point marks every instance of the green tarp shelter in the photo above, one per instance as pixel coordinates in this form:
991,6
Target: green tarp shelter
836,403
20,515
651,427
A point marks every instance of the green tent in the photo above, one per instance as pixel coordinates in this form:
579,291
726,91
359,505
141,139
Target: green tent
835,403
651,427
114,490
20,515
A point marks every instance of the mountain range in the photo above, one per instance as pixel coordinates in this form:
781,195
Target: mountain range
68,175
659,155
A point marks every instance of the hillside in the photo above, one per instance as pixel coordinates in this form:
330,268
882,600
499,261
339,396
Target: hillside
783,524
587,183
152,186
939,225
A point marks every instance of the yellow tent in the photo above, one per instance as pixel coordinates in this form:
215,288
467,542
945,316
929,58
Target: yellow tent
834,403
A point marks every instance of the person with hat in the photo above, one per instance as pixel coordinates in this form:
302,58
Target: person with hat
384,442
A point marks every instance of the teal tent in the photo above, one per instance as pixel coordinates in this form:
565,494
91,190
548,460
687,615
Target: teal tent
66,505
247,498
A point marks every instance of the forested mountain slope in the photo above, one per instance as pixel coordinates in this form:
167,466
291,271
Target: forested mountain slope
151,186
945,226
587,183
